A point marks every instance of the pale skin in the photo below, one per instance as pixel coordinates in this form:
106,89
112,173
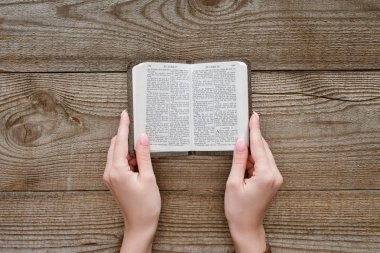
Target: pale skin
245,202
246,199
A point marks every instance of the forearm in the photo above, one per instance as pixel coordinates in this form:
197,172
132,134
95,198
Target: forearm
137,242
252,242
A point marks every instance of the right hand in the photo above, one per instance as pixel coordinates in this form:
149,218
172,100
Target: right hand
246,199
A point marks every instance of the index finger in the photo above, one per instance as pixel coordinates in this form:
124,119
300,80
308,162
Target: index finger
121,142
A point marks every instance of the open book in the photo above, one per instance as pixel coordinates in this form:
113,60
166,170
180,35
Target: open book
190,107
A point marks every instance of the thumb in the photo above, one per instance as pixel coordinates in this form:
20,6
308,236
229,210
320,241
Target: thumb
143,156
239,163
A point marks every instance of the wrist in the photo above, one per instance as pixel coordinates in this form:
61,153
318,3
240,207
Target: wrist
252,241
138,241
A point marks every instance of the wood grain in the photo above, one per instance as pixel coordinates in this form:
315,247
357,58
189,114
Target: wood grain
90,221
107,35
323,128
55,128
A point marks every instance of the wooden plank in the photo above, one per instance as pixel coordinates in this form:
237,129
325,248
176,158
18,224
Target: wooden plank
298,221
106,35
323,128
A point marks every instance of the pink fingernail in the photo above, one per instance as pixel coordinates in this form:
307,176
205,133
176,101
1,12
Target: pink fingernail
123,112
240,145
144,140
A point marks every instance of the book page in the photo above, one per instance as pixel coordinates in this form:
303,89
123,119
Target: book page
161,105
220,105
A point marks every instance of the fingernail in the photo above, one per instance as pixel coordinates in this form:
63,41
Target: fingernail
123,112
240,145
257,114
144,140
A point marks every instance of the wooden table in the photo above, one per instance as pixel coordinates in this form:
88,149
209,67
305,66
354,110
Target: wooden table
315,80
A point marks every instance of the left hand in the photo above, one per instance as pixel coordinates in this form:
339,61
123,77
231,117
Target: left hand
136,192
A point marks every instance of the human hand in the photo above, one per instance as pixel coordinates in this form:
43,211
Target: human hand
246,199
135,191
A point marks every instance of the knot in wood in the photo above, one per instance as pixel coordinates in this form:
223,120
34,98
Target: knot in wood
210,2
44,121
217,8
26,133
43,101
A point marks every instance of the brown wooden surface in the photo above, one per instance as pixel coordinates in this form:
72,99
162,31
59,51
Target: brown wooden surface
90,221
106,35
323,126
